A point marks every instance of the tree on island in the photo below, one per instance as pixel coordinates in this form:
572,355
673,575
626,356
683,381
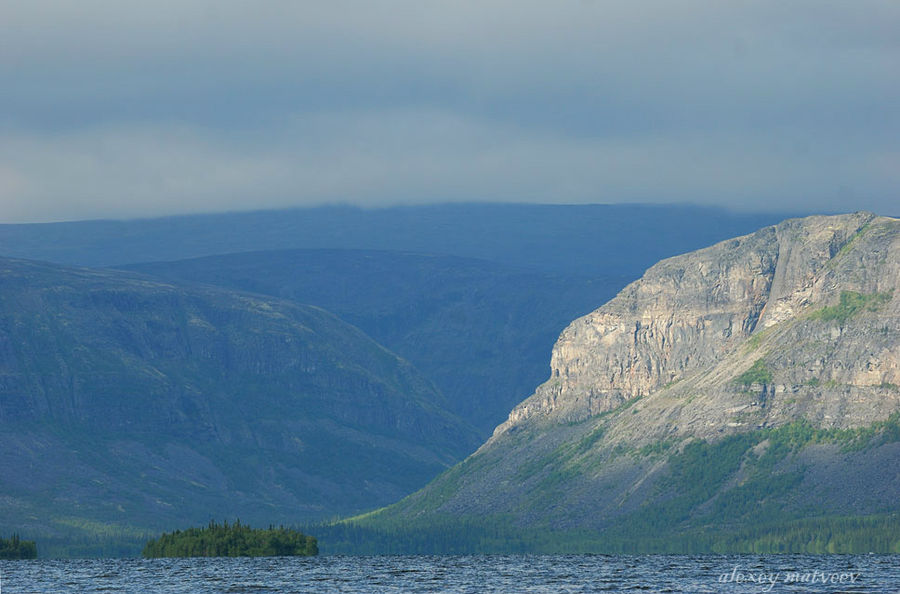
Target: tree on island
15,548
235,540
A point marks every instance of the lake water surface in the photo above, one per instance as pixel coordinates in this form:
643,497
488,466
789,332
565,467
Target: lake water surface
497,573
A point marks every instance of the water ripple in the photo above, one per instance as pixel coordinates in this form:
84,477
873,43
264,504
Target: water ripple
460,574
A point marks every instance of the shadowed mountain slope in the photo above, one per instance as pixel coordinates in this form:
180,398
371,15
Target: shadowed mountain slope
480,331
129,401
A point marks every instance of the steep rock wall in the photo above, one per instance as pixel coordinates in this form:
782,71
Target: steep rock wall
698,312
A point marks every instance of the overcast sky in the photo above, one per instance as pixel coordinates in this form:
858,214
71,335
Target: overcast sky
121,109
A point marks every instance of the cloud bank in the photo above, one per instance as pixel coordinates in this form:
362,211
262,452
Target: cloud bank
115,110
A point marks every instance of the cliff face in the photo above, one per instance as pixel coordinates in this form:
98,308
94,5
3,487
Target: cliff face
694,314
757,378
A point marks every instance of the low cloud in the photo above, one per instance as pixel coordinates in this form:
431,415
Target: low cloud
114,111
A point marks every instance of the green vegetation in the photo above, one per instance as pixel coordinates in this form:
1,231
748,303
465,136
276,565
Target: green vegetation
711,499
758,374
695,475
845,249
588,441
702,468
237,540
698,476
850,304
568,459
15,548
756,339
625,405
656,448
439,534
789,438
828,535
498,534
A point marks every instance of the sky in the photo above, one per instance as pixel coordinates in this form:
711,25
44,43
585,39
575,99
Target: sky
113,109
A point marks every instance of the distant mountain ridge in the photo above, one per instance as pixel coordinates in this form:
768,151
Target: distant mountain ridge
127,401
586,240
480,330
522,272
744,396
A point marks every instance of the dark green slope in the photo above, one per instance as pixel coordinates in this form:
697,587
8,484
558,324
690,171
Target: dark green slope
134,402
788,489
481,331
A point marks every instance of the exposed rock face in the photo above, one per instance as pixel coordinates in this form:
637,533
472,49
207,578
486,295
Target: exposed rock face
775,355
713,312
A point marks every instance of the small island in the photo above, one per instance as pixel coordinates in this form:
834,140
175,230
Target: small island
235,540
15,548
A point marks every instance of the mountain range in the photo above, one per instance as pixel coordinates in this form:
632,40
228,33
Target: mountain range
584,240
294,385
741,397
481,331
135,404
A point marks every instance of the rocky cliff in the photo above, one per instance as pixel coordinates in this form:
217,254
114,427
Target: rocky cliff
704,318
754,381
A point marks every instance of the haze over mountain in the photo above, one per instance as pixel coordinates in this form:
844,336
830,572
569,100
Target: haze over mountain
128,404
746,393
586,240
480,331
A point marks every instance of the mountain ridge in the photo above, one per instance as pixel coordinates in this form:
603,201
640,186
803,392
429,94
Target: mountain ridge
478,329
727,386
524,235
129,401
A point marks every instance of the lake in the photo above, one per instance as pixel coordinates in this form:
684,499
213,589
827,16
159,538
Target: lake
464,573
